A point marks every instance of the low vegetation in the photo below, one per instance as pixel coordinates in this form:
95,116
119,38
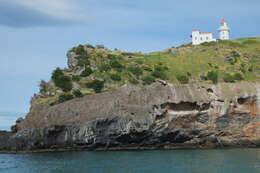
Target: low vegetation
62,81
65,97
96,85
97,69
183,79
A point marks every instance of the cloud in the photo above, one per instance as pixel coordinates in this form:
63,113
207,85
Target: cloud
28,13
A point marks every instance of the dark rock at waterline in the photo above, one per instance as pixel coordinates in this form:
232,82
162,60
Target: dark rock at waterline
156,116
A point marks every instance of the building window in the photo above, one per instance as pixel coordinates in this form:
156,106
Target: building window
200,38
195,38
207,38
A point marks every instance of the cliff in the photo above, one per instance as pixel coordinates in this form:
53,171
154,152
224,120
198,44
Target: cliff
161,115
189,97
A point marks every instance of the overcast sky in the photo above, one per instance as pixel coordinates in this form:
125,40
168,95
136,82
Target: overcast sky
36,34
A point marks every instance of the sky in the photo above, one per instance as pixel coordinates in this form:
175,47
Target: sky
36,34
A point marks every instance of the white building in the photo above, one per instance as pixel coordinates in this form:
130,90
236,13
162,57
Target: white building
223,30
199,37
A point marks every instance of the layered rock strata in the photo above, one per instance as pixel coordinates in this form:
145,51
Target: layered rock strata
158,116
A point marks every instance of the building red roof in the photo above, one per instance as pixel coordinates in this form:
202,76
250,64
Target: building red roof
223,21
205,32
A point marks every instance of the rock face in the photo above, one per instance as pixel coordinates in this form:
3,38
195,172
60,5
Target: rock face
156,116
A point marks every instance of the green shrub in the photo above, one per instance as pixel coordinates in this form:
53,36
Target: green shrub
203,77
90,46
133,81
43,86
83,60
183,79
235,54
65,97
111,56
147,80
116,65
136,70
104,68
213,76
251,69
228,78
147,68
115,77
97,85
238,77
139,61
232,78
231,60
79,50
243,68
64,83
77,93
88,71
129,53
61,81
160,72
100,46
76,78
57,74
161,67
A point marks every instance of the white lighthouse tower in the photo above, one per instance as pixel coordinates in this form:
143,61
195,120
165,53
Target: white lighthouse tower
223,30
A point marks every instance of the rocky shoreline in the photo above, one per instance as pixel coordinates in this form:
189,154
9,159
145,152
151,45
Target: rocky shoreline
160,116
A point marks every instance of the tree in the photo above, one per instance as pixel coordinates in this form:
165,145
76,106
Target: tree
97,85
65,83
56,74
61,81
88,71
43,86
79,50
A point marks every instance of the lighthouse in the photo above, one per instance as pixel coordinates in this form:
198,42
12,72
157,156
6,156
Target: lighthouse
223,30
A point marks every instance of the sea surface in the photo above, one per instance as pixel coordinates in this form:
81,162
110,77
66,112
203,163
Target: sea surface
157,161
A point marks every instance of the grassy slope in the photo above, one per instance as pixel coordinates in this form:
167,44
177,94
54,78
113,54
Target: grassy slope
187,60
196,59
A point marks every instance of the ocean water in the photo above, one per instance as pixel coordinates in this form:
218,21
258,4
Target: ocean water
157,161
